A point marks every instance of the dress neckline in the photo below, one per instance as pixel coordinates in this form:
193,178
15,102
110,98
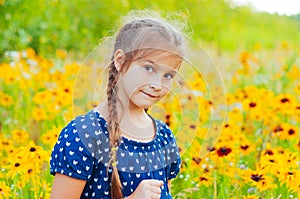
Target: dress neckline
132,141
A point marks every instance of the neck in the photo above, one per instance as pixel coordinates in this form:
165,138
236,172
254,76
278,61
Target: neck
135,124
130,115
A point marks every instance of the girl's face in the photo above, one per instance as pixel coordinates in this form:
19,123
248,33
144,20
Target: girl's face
148,79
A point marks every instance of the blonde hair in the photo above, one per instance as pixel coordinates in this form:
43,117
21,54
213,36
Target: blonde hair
138,37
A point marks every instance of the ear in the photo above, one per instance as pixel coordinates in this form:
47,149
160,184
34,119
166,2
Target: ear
119,58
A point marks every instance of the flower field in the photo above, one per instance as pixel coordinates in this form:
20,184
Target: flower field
256,156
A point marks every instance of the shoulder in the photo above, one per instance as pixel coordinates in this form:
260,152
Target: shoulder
83,125
164,131
87,131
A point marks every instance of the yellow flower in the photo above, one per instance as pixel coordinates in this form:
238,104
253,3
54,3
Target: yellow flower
6,100
30,173
269,163
284,103
291,178
42,97
250,197
245,146
9,74
50,137
72,69
4,190
60,53
39,114
284,131
30,53
297,89
285,45
20,136
5,143
293,73
40,78
205,180
15,167
236,115
33,152
288,159
259,179
198,84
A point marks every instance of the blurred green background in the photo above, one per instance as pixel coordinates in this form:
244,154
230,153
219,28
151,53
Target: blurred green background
77,26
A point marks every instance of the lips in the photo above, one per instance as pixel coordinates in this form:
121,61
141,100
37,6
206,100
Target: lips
150,95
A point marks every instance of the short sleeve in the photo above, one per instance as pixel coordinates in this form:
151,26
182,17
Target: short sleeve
69,155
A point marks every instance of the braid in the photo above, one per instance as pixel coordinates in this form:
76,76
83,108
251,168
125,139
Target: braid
114,131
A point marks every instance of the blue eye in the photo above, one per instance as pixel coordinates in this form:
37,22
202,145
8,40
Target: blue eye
149,68
169,76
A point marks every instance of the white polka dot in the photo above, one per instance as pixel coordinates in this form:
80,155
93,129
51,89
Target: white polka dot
75,162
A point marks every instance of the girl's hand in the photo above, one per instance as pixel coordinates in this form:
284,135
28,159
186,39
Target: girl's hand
147,189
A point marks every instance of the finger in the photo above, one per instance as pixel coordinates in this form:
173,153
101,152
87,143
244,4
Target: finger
155,196
155,189
157,183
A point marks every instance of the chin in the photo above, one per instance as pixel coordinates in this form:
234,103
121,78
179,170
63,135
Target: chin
143,105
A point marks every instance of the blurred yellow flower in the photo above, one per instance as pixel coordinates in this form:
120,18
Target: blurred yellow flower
290,177
72,69
39,114
297,89
30,53
50,137
285,45
60,53
42,97
9,74
6,100
5,191
250,197
293,73
20,136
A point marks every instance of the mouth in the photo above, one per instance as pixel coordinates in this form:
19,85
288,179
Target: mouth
149,95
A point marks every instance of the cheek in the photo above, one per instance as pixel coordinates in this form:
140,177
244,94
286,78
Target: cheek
167,84
133,83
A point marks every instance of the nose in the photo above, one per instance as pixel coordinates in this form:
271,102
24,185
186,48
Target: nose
155,86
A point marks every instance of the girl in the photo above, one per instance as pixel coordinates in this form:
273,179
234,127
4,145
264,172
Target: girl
118,150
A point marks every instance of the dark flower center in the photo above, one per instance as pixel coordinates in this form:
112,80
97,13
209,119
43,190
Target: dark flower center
197,160
244,147
252,105
291,132
269,152
277,129
203,179
284,100
223,151
257,177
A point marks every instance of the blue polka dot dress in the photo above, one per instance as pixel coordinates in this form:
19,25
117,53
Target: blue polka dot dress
82,152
